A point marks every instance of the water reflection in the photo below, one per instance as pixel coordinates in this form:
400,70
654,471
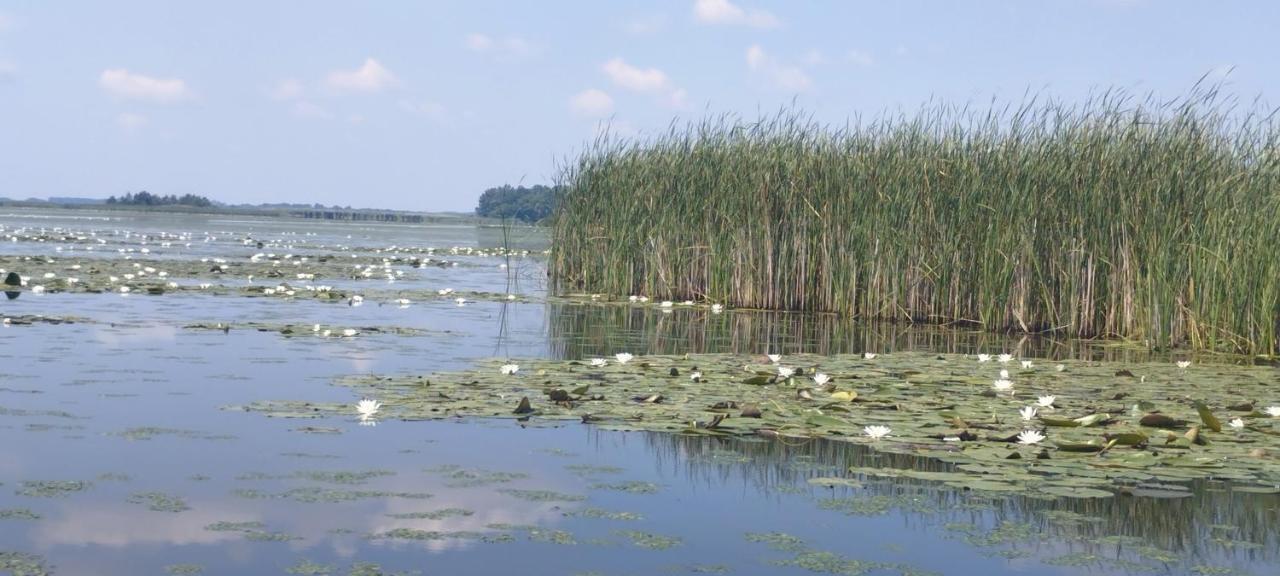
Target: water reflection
580,330
1214,524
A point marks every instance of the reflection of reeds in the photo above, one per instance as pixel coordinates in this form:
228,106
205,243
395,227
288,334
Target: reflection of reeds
1154,221
583,330
1193,528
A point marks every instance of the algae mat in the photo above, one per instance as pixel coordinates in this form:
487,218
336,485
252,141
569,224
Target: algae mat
1142,429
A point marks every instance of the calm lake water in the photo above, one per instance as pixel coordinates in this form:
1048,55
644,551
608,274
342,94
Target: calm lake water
119,456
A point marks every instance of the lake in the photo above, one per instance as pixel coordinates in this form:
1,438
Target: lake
124,450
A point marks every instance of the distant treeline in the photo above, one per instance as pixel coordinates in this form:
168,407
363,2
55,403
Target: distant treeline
530,205
145,198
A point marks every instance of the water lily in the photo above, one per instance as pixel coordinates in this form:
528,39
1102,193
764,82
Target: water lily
1060,367
623,357
717,308
1236,423
1004,358
870,355
1026,364
1002,385
633,298
509,369
1273,411
775,358
1004,374
666,304
1184,364
696,376
368,407
349,332
599,362
1028,412
877,432
785,372
460,301
1046,401
984,357
821,378
1030,437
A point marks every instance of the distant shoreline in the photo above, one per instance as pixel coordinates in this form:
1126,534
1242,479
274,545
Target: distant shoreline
298,212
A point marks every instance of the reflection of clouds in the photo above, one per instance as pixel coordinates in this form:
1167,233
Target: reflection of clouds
488,507
116,335
120,525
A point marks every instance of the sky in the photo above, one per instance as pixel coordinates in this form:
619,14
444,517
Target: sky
424,105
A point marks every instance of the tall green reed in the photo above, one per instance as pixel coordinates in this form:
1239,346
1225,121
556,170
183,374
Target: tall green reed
1141,219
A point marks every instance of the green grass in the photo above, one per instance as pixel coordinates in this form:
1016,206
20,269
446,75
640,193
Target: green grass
1146,220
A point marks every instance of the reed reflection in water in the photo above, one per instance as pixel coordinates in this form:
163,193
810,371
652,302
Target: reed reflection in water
1214,525
580,330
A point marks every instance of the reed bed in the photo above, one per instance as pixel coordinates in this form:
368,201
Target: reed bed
1120,217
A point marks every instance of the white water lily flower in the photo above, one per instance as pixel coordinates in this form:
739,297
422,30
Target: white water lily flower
633,298
785,372
1028,412
623,357
599,362
1026,364
1060,367
124,289
1184,363
666,304
877,432
717,308
984,357
315,328
1273,411
870,355
509,369
821,378
349,332
1002,385
403,302
1046,401
1030,437
327,333
1004,358
368,407
37,289
775,358
696,376
1004,374
1237,423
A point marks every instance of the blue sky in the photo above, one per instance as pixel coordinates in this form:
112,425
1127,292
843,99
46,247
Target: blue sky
423,105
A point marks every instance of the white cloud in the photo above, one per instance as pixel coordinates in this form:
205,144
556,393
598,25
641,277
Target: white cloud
647,80
786,77
861,58
726,12
308,109
508,48
633,78
287,89
592,103
372,76
125,84
130,122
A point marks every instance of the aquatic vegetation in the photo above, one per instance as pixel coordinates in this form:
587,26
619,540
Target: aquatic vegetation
52,488
23,564
876,432
348,477
18,514
593,470
149,432
433,514
988,217
415,534
308,568
159,501
938,407
251,530
541,495
184,569
312,494
631,487
602,514
458,477
650,540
